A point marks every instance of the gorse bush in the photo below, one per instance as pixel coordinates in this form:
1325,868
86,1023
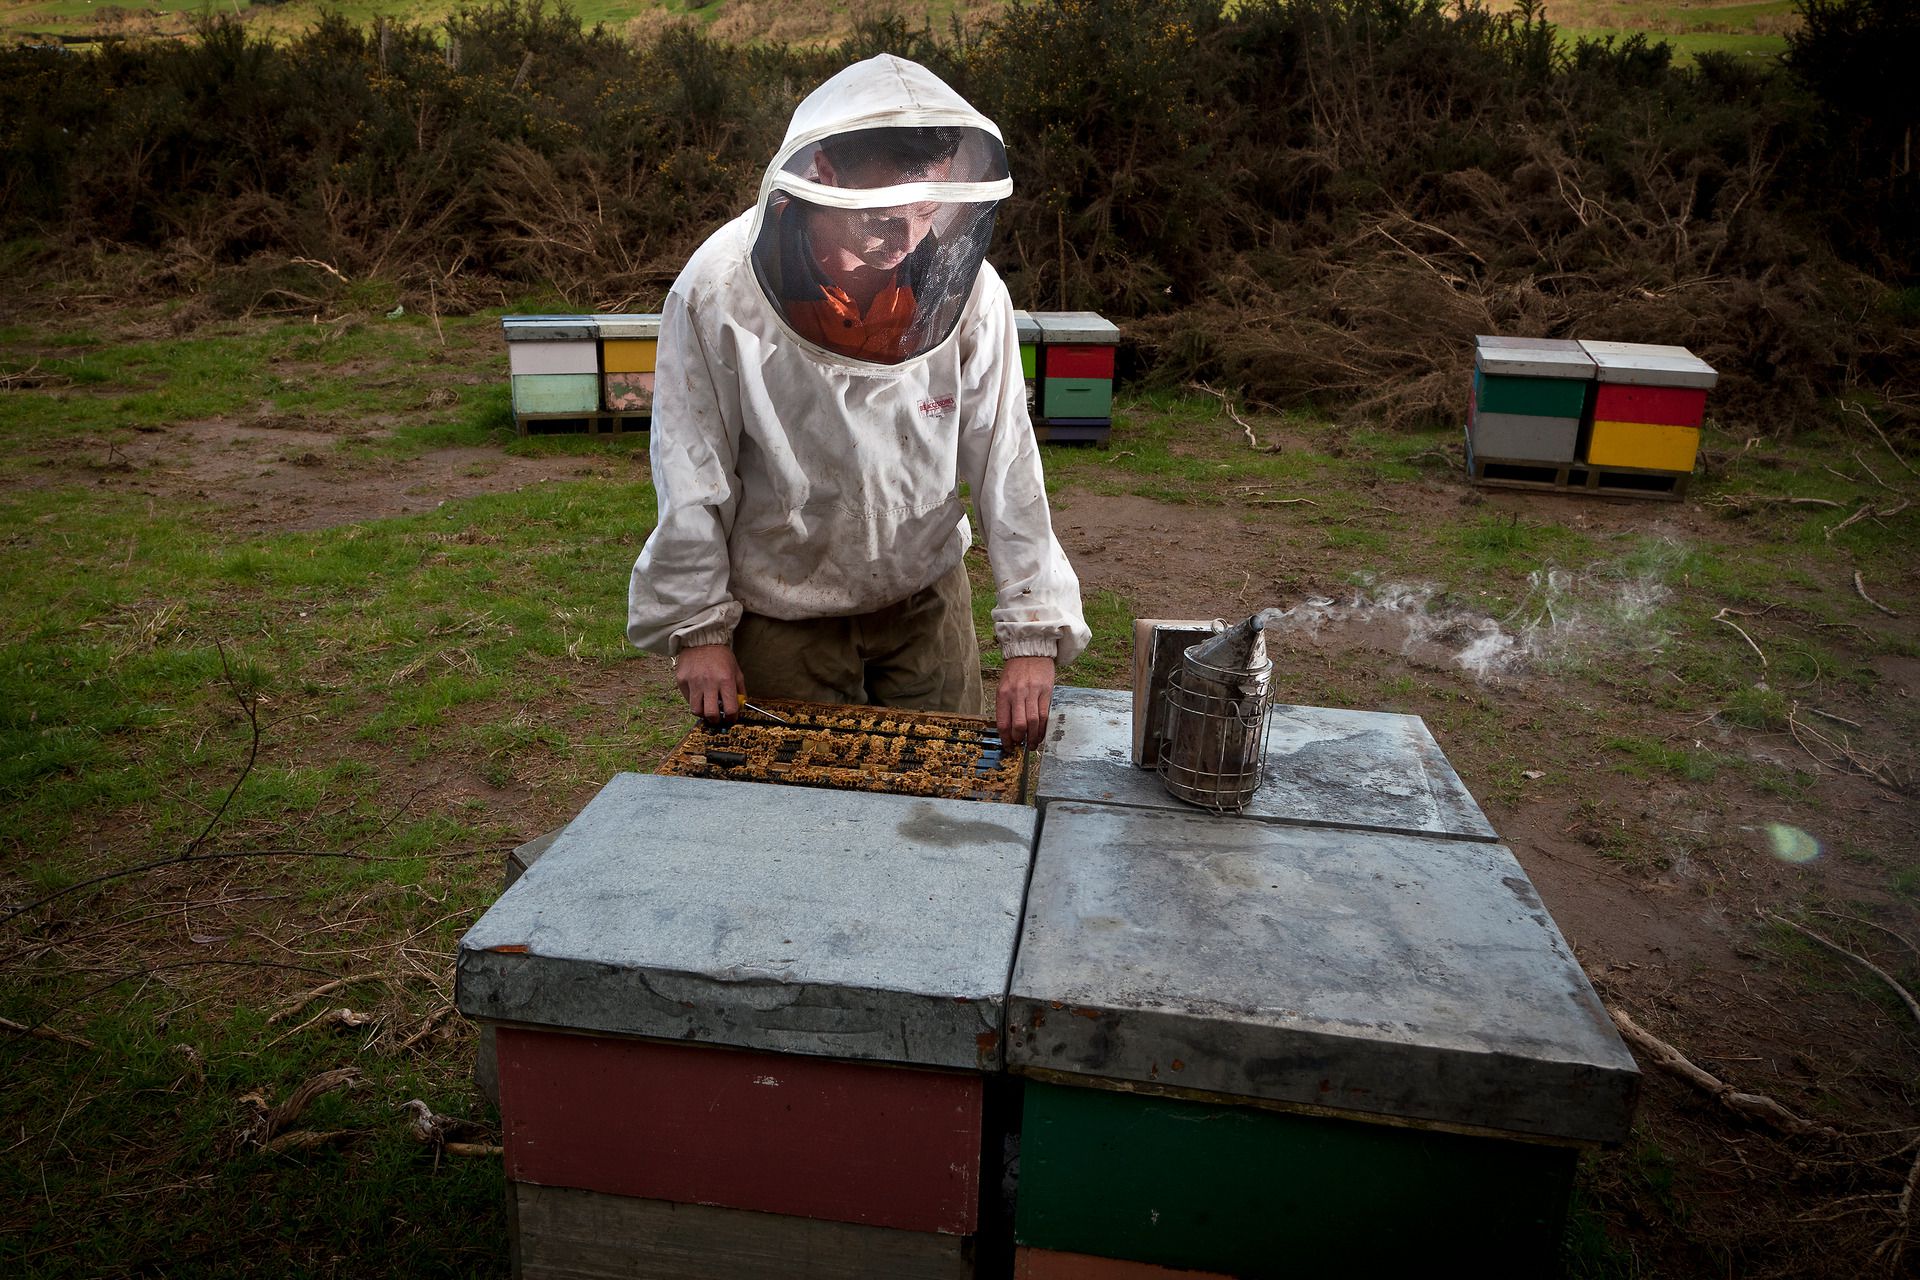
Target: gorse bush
1319,201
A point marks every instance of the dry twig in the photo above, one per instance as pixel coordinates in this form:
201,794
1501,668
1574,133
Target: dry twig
342,1017
1868,419
1866,508
1906,997
45,1033
1738,502
266,1124
1896,1244
1860,587
1722,617
1843,752
1752,1105
435,1130
426,1028
324,989
1227,403
329,268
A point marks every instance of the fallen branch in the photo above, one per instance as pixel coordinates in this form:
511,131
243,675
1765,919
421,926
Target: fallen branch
270,1122
326,267
1751,1105
1880,771
1860,587
45,1033
1901,938
1870,471
1252,442
1279,502
1731,501
1722,617
1855,408
1866,508
324,989
301,1139
343,1017
1897,1242
431,1129
427,1028
1906,997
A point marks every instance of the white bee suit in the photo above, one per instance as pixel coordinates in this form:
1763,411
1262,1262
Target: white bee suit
798,483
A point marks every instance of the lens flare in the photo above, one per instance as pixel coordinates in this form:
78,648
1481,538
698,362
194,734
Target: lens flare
1791,844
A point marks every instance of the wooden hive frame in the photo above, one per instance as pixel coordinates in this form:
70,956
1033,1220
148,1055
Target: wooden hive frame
853,748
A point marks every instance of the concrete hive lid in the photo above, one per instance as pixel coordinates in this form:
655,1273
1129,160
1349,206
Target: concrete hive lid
628,326
1351,972
549,328
1648,365
1076,326
791,919
1324,767
1532,357
1026,327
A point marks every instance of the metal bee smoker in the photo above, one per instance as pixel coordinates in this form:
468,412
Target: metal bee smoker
1218,704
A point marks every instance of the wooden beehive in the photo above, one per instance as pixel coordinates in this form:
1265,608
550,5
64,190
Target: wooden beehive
880,749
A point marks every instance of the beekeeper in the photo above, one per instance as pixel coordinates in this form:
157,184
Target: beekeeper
834,366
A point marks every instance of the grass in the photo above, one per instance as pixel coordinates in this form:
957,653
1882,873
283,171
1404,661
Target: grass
1647,758
818,23
1748,30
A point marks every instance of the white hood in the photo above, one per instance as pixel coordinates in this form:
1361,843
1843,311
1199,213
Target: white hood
874,217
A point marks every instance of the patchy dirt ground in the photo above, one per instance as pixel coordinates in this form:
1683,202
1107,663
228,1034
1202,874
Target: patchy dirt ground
271,473
1662,885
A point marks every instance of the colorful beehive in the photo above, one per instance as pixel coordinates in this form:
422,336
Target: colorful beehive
1647,406
752,1024
628,344
1027,330
554,362
1076,375
1261,1050
1369,770
1529,395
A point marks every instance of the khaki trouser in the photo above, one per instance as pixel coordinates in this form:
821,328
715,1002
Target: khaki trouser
919,654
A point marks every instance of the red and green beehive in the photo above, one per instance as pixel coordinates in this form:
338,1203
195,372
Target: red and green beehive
751,1024
1076,363
1264,1051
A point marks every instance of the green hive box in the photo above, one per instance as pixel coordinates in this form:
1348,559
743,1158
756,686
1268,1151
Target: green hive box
556,393
1027,330
1263,1050
1253,1193
1534,397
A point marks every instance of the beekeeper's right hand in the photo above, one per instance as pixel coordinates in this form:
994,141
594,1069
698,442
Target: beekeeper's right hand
710,680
